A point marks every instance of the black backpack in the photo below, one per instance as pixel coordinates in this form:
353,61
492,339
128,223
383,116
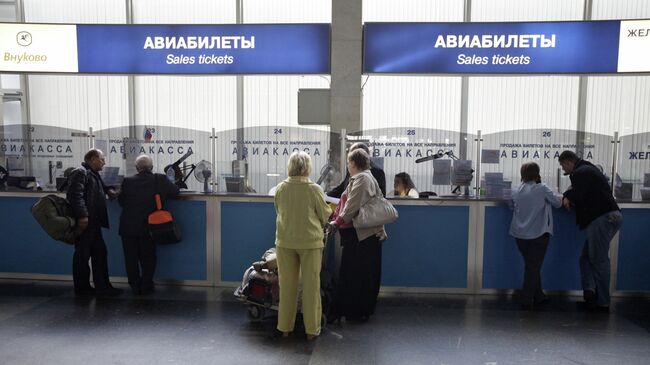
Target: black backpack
54,214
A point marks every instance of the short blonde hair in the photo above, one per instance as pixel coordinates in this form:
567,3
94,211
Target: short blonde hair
299,164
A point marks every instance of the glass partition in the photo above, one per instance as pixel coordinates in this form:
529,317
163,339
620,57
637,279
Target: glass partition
504,153
633,173
405,149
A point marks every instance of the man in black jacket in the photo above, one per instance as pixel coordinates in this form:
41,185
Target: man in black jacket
376,171
87,196
137,201
599,216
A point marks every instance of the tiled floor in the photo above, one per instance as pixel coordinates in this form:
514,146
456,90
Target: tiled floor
44,323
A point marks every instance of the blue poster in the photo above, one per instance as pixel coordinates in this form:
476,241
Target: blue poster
204,49
529,48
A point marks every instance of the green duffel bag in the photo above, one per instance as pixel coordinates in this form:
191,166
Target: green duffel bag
54,214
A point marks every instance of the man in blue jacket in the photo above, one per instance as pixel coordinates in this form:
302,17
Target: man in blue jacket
599,216
87,196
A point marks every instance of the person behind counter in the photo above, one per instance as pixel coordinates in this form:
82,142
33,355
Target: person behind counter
137,201
532,227
301,215
404,186
360,270
599,216
87,193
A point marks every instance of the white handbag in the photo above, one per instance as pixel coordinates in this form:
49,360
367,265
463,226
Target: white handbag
377,211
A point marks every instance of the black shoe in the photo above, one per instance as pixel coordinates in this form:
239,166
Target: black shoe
85,292
109,292
589,296
586,306
542,301
147,291
601,309
527,306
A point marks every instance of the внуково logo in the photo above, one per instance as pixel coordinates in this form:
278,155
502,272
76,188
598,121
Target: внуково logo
24,38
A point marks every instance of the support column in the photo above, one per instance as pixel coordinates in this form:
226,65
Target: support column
24,101
582,96
464,91
131,81
240,93
345,89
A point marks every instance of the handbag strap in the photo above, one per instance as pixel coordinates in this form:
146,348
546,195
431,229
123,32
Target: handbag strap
157,193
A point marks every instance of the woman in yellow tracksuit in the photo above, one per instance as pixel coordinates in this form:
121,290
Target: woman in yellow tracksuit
301,215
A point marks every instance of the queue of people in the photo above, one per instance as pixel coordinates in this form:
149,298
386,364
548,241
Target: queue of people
304,219
86,193
596,213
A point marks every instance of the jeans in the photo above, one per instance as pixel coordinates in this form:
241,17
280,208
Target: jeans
594,261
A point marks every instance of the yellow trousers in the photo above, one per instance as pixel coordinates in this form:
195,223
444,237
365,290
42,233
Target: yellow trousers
293,263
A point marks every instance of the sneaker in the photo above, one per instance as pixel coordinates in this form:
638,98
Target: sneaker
109,292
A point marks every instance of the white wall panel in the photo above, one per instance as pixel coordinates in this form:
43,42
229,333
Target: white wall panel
193,102
287,11
7,12
506,103
413,11
198,102
620,9
618,103
526,10
77,101
273,100
413,101
75,11
184,11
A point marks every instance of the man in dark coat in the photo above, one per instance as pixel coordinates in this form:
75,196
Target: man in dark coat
87,196
376,171
599,216
137,201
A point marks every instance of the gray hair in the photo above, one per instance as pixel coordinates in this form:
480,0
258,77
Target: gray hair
144,163
299,164
92,153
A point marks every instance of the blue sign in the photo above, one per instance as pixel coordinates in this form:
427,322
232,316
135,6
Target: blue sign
204,49
544,47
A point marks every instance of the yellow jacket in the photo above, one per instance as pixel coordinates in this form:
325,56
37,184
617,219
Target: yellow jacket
301,214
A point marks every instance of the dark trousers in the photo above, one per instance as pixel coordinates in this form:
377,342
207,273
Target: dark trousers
533,252
140,260
90,245
356,295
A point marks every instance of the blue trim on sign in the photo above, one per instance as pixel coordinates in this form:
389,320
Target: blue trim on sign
423,48
142,49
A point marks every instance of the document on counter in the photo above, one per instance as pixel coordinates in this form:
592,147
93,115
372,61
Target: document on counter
333,200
